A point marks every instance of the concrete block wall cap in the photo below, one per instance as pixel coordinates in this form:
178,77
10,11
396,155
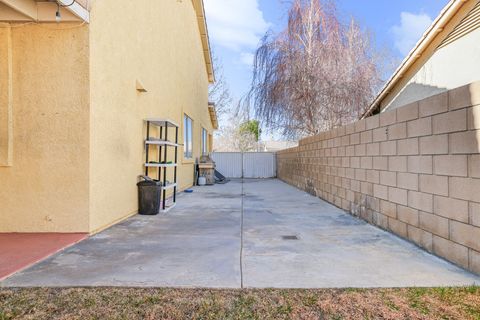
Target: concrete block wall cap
408,112
433,105
388,117
341,130
360,125
475,93
465,96
373,122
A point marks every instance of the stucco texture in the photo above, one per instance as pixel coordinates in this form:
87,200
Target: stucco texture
6,121
158,43
46,187
78,118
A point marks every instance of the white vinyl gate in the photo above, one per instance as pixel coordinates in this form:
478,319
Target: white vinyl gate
246,164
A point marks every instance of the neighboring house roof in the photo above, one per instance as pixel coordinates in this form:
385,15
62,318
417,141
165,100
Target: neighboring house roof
440,33
273,146
202,25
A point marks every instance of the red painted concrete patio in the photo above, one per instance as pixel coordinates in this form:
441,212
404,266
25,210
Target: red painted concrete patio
21,250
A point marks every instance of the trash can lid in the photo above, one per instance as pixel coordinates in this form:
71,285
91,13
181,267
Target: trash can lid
145,183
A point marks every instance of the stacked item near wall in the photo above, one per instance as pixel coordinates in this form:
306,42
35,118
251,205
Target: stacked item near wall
156,200
206,171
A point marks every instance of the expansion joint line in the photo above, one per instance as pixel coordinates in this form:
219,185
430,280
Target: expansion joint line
241,239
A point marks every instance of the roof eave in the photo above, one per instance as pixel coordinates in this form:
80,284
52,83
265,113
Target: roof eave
437,26
43,11
202,25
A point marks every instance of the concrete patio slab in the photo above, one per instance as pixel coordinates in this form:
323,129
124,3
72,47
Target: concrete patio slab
233,235
333,248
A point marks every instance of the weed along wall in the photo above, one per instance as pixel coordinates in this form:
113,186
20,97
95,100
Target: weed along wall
414,171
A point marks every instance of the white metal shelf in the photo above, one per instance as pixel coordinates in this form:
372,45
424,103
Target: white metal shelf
162,122
161,162
168,207
161,143
169,186
160,165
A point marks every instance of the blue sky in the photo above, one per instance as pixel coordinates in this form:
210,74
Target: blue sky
235,27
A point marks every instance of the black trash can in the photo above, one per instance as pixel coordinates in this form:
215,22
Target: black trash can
149,197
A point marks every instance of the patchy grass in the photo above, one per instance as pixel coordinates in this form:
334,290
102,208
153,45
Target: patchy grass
132,303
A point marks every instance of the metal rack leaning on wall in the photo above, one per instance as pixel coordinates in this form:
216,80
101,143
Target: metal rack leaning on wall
160,164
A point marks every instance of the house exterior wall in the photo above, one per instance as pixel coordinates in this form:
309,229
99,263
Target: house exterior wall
6,96
44,186
71,159
157,43
451,66
414,171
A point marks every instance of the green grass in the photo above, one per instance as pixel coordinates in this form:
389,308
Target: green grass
3,315
131,303
417,302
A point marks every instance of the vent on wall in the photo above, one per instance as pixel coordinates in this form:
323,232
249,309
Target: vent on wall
467,25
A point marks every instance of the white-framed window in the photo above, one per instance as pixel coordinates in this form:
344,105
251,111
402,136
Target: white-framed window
204,141
187,137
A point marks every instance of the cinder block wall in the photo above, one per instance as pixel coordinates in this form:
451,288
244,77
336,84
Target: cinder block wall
414,171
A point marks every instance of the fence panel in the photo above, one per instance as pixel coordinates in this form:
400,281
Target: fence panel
229,163
259,165
246,165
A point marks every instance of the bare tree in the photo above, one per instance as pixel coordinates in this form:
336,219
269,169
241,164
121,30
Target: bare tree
232,137
314,75
219,92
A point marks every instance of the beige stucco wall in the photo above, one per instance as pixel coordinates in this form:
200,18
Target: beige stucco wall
6,96
158,43
46,187
75,148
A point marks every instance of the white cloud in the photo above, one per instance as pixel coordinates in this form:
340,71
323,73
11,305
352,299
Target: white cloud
247,58
411,28
235,24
